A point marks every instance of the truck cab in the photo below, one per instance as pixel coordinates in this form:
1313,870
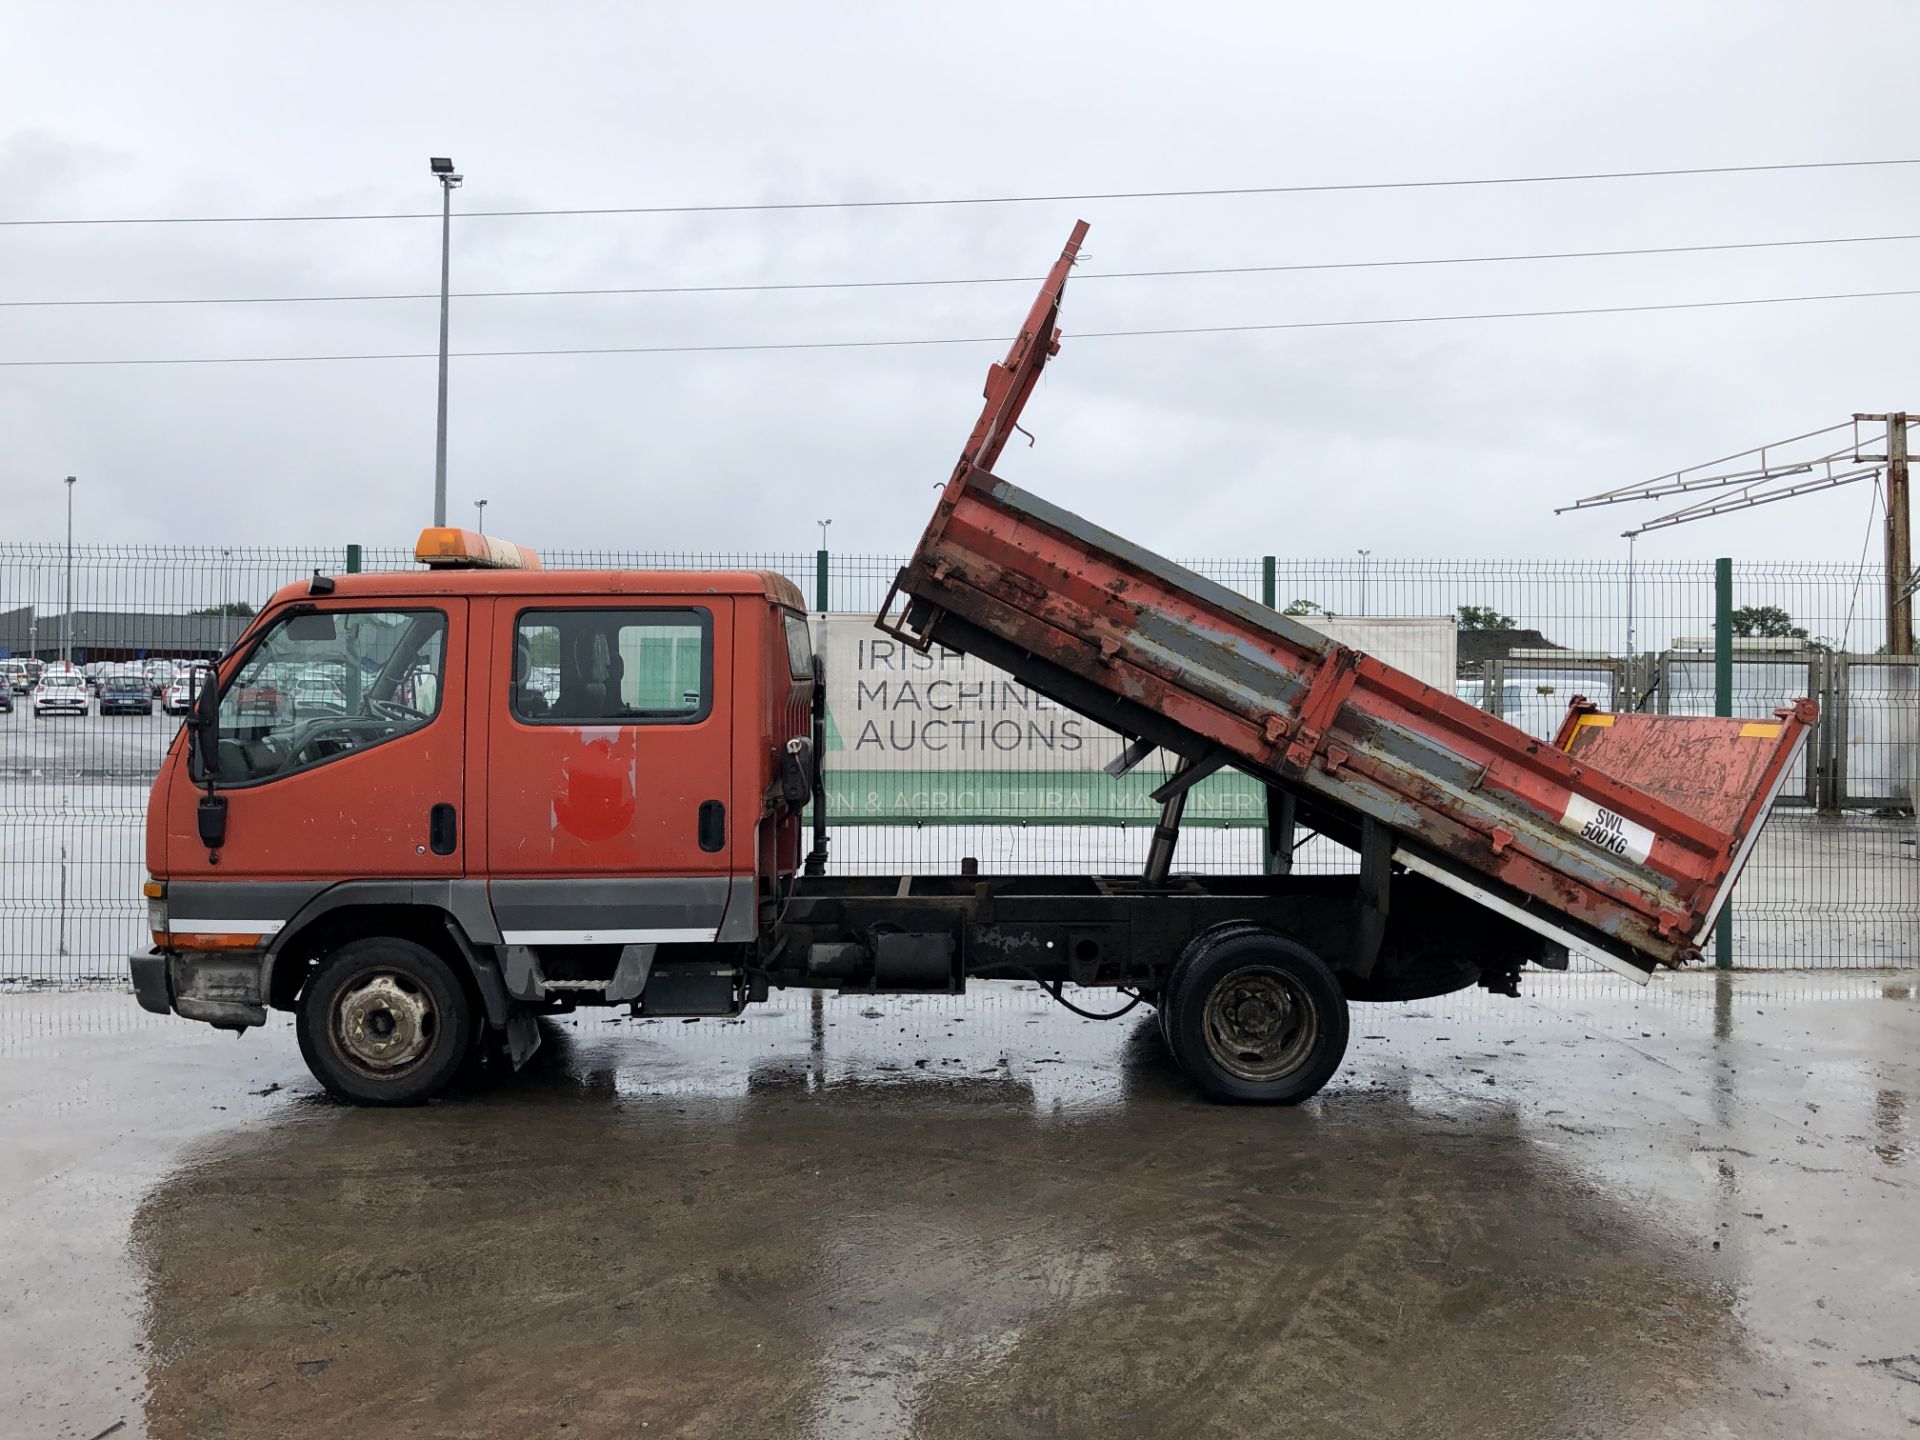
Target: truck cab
453,797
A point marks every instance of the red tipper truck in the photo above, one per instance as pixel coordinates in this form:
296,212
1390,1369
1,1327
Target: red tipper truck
521,791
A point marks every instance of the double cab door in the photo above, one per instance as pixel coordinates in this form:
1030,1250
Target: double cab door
608,774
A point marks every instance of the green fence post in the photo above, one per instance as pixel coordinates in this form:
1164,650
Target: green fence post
353,559
820,580
1723,705
1277,856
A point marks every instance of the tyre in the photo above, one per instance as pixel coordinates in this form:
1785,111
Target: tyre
384,1021
1170,990
1256,1018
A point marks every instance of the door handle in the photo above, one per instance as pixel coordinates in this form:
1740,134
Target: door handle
443,829
713,826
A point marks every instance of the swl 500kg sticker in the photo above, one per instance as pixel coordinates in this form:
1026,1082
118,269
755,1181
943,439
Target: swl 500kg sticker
1608,830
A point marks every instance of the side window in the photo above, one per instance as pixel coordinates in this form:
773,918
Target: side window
324,684
799,649
613,666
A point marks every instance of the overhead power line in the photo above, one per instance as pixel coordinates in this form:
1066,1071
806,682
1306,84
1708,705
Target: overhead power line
903,204
1079,277
971,339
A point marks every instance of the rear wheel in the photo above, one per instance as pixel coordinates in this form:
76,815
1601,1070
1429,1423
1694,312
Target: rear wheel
1169,992
1256,1017
384,1021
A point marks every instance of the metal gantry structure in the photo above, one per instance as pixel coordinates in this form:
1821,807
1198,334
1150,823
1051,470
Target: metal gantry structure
1783,471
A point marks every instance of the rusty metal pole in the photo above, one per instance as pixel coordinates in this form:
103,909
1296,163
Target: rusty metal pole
1899,540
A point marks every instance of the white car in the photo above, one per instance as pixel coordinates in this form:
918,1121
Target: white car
179,696
60,692
319,693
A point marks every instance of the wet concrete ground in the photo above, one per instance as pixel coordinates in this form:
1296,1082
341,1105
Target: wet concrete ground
1592,1212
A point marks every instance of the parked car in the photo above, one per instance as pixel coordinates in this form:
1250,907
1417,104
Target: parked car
14,677
6,699
260,698
125,695
319,693
60,692
179,696
160,674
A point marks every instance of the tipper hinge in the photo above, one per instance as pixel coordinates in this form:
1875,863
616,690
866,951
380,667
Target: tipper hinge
1328,690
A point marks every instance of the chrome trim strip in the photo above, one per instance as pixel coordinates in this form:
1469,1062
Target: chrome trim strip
608,937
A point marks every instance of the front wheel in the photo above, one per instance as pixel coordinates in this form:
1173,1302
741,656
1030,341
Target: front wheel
384,1021
1256,1017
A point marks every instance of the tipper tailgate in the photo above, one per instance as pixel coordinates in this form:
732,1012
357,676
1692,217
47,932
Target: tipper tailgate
1620,841
1725,772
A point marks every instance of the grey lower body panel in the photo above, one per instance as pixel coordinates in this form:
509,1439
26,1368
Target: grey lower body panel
237,907
651,910
625,910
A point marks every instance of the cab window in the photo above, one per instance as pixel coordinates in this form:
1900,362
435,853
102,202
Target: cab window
322,684
799,648
633,667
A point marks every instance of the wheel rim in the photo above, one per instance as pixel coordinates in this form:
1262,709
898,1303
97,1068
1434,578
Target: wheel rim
1260,1024
384,1023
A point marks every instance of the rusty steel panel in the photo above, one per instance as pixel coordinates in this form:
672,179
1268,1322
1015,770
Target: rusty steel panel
1630,829
1716,770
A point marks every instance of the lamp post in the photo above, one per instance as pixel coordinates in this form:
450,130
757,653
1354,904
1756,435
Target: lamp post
1363,580
449,182
226,601
480,516
66,616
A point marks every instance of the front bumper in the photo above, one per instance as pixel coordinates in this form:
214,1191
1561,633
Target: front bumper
222,990
150,982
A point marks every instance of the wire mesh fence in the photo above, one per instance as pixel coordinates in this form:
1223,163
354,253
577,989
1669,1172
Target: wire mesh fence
1834,883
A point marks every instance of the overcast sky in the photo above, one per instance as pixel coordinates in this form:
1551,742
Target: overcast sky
1438,440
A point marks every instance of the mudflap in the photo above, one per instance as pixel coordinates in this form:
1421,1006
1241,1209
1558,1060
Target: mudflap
522,1035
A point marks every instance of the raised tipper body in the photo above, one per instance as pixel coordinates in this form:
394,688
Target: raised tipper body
1620,839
